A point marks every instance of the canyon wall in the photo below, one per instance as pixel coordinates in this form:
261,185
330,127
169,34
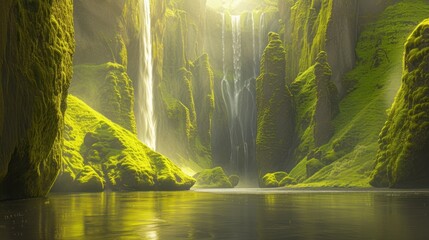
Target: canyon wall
36,48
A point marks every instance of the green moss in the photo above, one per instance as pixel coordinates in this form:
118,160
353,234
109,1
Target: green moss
403,143
234,179
275,113
36,48
213,178
309,34
313,166
99,154
349,153
108,89
271,180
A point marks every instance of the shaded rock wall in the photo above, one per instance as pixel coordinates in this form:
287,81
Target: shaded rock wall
36,48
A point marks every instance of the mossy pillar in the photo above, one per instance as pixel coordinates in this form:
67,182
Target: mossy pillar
36,48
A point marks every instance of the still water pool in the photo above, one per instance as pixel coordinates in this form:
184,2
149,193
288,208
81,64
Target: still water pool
220,214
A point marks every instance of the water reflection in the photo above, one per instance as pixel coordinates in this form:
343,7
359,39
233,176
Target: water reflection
199,215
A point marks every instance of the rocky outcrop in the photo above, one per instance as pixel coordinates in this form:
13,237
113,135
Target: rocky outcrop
108,89
403,153
36,48
275,112
101,155
215,178
327,101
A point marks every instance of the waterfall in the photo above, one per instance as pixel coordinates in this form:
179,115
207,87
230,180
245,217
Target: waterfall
238,96
255,62
145,119
262,35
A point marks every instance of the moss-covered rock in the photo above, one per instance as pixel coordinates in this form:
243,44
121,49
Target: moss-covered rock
107,89
234,179
327,101
213,178
99,155
275,111
107,57
312,166
36,48
402,158
288,181
271,180
348,155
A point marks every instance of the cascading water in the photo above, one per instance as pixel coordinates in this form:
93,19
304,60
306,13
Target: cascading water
262,35
238,96
255,63
146,124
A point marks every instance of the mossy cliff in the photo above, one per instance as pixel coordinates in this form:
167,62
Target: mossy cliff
108,89
316,102
36,48
107,40
346,159
327,101
275,111
101,155
312,26
403,153
184,83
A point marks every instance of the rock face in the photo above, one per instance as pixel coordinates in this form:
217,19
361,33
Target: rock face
108,89
184,92
327,101
275,112
36,48
402,158
101,155
107,37
327,25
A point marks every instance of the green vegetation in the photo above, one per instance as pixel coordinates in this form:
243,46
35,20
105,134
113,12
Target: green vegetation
275,117
349,154
215,178
402,158
107,89
99,154
277,179
36,48
310,21
234,179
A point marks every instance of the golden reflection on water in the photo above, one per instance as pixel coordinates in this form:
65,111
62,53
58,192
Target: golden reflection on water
196,215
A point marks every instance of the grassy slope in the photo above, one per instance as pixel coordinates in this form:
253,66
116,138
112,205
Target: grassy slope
116,158
353,148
